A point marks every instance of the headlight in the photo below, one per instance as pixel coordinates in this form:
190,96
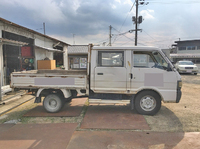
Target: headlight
180,67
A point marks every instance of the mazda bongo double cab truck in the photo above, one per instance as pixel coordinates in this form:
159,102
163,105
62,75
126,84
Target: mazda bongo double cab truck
141,76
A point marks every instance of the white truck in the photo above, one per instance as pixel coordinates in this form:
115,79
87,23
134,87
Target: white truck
141,76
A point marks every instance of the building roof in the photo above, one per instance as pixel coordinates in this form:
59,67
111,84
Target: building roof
77,49
32,31
198,40
185,55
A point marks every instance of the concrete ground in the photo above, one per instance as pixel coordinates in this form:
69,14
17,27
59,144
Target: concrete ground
104,126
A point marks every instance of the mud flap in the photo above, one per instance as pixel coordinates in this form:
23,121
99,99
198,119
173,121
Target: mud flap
37,99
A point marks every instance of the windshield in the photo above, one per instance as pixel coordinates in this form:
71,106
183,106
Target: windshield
186,63
160,60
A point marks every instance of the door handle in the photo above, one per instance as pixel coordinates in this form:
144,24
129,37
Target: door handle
131,75
99,73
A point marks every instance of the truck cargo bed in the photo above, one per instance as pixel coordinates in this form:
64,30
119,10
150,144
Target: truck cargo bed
49,79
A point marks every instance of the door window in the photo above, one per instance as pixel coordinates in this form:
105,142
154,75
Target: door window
143,60
111,59
149,60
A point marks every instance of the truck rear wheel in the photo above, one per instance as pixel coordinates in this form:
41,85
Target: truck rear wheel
53,103
147,103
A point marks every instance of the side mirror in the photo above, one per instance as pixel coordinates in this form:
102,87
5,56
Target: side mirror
168,67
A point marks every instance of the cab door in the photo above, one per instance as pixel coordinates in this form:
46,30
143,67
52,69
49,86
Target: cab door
110,74
149,71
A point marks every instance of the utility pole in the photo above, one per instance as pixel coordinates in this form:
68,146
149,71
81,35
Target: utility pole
44,28
110,36
74,38
136,22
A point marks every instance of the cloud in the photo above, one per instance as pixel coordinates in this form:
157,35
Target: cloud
90,20
147,14
129,2
46,10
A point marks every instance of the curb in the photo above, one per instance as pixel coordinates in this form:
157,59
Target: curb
2,113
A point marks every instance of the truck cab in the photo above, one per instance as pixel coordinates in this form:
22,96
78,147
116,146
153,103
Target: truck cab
143,76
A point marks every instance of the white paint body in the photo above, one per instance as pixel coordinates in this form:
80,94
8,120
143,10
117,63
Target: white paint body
125,78
118,79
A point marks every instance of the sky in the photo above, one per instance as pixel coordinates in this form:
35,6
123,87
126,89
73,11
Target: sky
81,22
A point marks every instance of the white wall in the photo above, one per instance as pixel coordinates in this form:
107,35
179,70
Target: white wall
43,42
41,54
65,57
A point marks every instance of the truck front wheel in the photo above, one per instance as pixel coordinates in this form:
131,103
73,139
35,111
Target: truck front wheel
53,103
147,103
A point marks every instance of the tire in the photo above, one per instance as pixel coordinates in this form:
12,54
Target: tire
53,103
68,100
147,103
195,73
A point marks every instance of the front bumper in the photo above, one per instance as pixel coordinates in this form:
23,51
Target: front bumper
188,71
178,95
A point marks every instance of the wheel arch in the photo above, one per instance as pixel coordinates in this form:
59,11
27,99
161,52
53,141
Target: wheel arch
152,90
65,93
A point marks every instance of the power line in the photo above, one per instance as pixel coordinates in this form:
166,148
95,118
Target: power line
105,40
122,34
174,2
148,35
125,20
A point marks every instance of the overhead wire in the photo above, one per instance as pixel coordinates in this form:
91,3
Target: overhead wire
124,21
122,34
148,35
174,2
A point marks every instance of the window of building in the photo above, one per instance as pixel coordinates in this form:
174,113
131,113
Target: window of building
78,62
198,47
191,47
111,59
182,48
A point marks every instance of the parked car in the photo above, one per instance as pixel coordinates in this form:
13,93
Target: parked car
186,67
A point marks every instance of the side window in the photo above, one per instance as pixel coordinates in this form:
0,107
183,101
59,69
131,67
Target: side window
143,60
149,60
111,59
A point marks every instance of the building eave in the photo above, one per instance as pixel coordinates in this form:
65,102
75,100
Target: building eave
12,42
32,31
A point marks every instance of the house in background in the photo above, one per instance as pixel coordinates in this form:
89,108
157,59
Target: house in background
77,56
187,50
21,48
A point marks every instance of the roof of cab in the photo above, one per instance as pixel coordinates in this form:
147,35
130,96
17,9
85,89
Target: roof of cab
145,48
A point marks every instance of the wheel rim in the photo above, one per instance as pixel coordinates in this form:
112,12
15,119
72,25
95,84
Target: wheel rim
148,103
52,103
